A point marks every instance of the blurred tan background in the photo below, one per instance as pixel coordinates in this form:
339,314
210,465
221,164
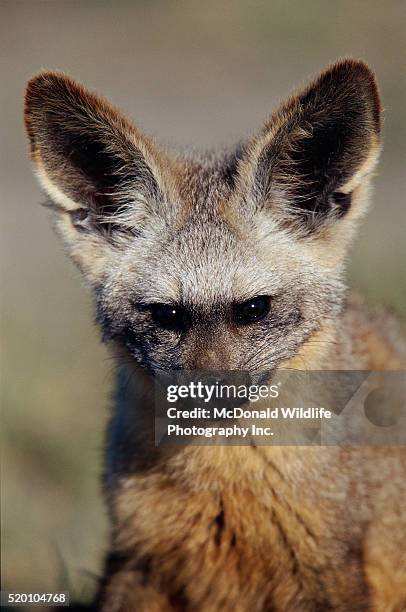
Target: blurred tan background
192,73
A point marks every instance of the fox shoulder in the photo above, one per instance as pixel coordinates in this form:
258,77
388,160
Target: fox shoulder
378,336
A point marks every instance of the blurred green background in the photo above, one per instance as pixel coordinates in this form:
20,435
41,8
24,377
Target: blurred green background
193,73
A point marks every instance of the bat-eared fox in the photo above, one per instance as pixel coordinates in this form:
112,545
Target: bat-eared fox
231,261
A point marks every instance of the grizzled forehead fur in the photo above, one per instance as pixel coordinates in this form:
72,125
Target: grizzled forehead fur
210,252
274,216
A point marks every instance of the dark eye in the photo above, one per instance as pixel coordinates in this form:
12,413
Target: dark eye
170,316
252,310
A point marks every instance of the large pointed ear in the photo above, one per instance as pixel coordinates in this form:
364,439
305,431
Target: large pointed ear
312,159
101,173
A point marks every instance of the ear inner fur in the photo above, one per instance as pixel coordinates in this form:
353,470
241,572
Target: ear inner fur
313,145
86,152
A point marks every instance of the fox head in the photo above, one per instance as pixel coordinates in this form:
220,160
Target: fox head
228,261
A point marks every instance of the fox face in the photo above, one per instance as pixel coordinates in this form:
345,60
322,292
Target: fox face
227,261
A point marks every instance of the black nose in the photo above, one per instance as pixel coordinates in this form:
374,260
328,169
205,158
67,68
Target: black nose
212,380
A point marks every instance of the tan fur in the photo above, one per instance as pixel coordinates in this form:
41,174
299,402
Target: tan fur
228,528
301,528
